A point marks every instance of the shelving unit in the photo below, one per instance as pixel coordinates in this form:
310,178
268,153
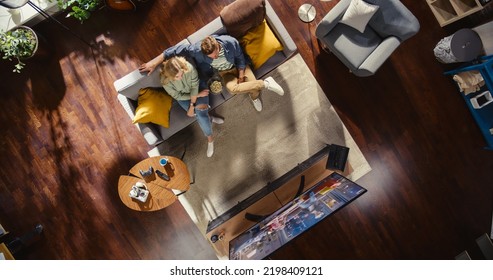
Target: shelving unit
484,115
448,11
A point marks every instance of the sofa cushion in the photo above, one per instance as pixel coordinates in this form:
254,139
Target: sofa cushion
260,44
358,14
214,27
153,106
242,15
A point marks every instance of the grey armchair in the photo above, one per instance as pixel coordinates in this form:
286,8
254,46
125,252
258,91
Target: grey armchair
363,53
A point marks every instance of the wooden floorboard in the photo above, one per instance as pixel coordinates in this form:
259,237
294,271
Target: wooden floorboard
65,141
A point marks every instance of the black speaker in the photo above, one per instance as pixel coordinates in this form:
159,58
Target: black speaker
337,157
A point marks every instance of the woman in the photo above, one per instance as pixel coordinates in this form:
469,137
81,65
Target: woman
180,80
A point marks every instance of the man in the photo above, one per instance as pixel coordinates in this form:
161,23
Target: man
221,53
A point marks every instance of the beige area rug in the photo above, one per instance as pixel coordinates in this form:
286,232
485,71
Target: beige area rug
253,148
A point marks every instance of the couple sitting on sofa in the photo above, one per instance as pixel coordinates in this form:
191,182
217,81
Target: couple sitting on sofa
221,53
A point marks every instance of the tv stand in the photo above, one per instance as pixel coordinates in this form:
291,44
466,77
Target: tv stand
267,200
257,218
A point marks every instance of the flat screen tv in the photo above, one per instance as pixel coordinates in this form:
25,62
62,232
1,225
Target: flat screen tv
312,206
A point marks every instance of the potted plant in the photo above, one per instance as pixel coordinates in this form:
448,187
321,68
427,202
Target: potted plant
79,9
19,43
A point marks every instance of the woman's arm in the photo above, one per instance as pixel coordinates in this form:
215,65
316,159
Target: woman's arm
192,80
191,108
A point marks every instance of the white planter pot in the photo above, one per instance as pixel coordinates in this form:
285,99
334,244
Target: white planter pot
35,36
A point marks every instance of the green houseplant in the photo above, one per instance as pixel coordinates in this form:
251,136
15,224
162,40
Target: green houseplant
19,43
79,9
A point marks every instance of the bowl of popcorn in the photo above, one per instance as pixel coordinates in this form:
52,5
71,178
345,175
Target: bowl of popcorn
215,85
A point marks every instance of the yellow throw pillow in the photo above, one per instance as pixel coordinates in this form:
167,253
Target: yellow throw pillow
153,106
260,44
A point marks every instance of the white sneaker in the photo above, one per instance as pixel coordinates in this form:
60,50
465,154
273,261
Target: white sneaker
257,104
210,149
217,120
272,85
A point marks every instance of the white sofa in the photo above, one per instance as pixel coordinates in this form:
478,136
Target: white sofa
129,85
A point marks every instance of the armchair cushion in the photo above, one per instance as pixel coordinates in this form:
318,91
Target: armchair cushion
351,46
358,14
242,15
153,106
393,19
260,44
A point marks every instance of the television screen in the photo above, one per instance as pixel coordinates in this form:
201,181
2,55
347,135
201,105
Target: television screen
294,218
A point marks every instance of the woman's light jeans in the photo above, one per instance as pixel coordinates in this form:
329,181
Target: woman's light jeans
202,115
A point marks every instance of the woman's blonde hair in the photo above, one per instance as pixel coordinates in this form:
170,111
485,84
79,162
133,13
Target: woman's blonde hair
171,67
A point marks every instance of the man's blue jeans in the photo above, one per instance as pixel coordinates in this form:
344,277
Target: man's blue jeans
202,115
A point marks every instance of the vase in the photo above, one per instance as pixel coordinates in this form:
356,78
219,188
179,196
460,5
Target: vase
35,38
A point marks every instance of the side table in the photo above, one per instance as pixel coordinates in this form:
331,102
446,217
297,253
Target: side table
464,45
161,193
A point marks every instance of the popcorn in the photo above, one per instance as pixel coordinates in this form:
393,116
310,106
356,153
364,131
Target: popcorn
216,87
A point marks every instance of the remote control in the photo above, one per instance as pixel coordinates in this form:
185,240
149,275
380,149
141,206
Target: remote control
162,175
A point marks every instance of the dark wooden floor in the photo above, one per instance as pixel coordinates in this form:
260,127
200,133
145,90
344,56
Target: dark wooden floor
65,140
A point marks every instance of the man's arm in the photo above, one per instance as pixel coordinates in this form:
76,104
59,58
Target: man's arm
240,61
234,46
177,50
151,65
241,75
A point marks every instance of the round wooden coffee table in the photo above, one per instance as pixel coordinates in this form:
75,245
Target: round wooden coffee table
161,193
